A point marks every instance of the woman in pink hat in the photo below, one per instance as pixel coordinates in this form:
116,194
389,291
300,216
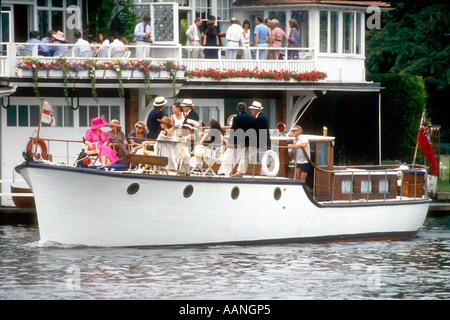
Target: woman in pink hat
97,139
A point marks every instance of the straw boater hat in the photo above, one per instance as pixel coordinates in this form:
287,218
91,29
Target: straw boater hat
59,36
191,124
98,123
256,106
187,103
159,102
115,123
166,120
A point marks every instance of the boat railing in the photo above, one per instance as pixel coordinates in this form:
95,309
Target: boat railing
404,182
336,185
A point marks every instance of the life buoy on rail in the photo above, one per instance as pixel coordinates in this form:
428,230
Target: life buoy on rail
270,154
41,143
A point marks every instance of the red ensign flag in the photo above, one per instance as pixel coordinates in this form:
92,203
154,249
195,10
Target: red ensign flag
425,144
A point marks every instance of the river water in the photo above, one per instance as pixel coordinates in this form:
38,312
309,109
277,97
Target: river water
418,268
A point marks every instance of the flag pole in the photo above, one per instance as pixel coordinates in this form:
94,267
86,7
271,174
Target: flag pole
417,142
39,126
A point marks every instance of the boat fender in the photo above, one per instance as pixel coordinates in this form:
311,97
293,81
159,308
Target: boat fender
40,142
276,163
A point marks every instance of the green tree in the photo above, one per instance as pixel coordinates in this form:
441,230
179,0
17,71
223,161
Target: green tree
403,100
415,39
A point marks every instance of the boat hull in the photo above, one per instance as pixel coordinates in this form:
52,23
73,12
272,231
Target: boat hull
97,208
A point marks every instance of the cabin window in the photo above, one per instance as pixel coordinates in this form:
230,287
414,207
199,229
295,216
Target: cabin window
322,155
366,186
28,116
383,186
346,186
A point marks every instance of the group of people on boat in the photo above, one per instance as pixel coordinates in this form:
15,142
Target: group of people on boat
182,139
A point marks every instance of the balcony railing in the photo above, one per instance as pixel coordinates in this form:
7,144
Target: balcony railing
14,54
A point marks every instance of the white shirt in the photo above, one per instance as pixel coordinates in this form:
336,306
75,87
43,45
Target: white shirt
81,45
234,33
299,156
117,45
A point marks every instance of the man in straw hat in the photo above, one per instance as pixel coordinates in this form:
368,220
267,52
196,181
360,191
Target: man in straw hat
188,110
153,125
261,126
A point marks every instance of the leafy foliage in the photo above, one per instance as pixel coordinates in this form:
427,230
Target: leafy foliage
415,39
403,100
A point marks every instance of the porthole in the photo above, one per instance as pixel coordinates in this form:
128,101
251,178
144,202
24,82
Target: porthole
277,193
235,193
188,191
133,188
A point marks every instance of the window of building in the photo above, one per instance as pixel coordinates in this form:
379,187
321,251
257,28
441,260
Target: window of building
52,15
203,9
302,18
87,113
383,186
28,116
340,32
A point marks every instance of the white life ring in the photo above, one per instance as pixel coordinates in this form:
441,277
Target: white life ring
276,163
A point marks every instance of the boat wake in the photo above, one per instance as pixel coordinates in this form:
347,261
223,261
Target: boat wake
52,244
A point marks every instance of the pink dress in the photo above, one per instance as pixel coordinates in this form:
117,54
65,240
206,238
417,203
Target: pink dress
103,150
277,36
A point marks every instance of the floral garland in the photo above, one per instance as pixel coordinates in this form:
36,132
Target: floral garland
283,75
148,67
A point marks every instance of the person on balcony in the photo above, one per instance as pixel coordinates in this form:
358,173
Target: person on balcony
35,38
245,40
116,44
194,40
295,40
261,37
58,38
276,38
81,44
48,39
143,33
234,36
211,39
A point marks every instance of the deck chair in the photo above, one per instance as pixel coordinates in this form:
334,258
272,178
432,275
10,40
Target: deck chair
211,154
87,54
102,52
24,52
67,53
118,54
92,154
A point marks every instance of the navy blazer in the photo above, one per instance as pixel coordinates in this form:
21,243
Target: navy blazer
153,125
261,122
192,115
245,122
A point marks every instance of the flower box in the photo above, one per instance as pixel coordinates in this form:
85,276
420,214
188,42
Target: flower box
83,74
55,73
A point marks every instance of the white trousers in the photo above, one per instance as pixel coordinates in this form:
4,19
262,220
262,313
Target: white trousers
231,53
142,52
